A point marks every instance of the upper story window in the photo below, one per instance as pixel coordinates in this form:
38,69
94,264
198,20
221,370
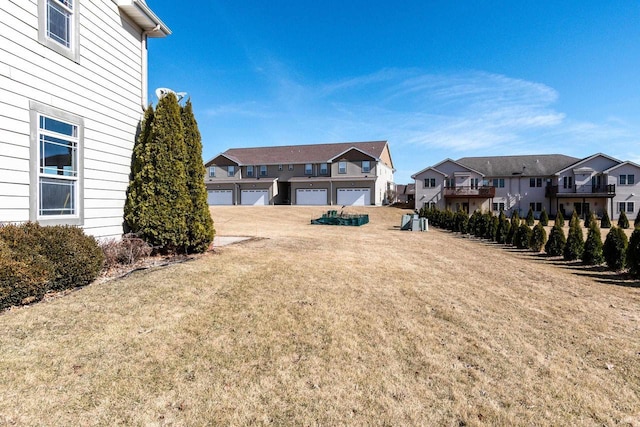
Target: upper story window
450,182
627,179
231,170
249,171
498,182
342,167
263,170
308,169
58,26
429,182
280,168
290,167
474,183
324,169
366,166
567,182
212,171
535,182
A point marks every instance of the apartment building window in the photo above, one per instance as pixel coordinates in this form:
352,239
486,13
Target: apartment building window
450,183
498,182
498,206
567,182
249,172
290,167
323,168
280,168
231,170
627,179
626,207
212,171
366,166
342,167
56,187
536,206
58,26
474,183
535,182
308,169
263,170
429,182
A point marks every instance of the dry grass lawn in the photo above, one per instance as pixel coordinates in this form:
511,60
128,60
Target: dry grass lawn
322,325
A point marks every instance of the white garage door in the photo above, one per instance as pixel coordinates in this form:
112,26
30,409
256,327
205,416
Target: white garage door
311,196
219,197
254,197
354,196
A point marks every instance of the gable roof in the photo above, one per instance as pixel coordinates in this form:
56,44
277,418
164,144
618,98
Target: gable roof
297,154
525,165
586,159
434,168
628,162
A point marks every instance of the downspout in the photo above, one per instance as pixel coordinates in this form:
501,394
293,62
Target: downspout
143,64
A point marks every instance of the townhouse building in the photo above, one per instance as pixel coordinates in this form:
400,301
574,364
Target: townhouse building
347,173
555,182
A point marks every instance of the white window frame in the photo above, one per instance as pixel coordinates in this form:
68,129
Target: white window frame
308,169
263,170
429,183
629,179
342,167
71,48
630,207
498,182
280,168
290,166
324,169
212,171
38,173
367,168
567,182
231,170
498,206
250,171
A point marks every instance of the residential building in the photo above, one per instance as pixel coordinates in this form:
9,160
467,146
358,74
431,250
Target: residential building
405,194
347,173
555,182
73,84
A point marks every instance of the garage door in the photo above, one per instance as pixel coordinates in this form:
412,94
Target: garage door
354,196
311,196
219,197
254,197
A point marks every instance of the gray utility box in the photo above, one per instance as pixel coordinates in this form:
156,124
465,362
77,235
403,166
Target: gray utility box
414,223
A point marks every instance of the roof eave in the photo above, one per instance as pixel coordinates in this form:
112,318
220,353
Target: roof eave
143,16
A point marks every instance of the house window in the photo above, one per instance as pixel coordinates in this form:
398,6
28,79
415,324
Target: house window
280,168
567,182
429,182
498,182
58,26
249,172
366,166
231,170
498,206
536,207
627,179
263,170
450,183
342,167
535,182
56,166
308,169
474,183
626,207
323,168
212,171
290,167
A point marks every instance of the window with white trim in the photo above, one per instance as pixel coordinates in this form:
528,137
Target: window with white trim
290,166
280,168
429,182
498,182
56,168
263,170
536,206
535,182
627,179
308,169
324,169
212,171
58,26
474,183
498,206
366,166
567,182
249,171
342,167
626,207
231,170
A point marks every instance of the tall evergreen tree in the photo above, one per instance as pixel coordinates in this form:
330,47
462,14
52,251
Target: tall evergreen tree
522,238
557,241
515,224
158,214
605,222
588,219
575,240
559,219
633,253
636,223
538,238
615,248
544,217
530,220
593,254
200,229
623,221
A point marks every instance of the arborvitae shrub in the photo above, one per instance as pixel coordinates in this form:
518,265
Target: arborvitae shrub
538,238
530,218
593,251
557,241
605,222
623,221
482,225
633,253
575,240
615,248
515,224
522,238
492,230
636,223
473,222
461,221
544,218
559,219
503,229
199,223
588,219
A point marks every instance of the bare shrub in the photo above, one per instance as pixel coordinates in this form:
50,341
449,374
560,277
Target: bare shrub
126,251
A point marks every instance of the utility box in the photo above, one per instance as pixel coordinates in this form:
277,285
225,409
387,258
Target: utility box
406,222
414,223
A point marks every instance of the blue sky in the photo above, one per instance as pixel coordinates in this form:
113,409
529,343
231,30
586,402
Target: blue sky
437,79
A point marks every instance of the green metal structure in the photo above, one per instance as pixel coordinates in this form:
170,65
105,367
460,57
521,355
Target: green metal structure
335,218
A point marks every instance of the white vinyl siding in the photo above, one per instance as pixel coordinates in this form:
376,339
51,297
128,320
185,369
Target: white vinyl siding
58,26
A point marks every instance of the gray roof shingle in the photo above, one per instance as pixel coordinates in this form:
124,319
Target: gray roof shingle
526,165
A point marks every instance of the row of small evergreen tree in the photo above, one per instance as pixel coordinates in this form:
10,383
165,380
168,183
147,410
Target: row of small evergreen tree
617,251
166,199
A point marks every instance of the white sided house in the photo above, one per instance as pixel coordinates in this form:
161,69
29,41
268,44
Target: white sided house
73,84
553,182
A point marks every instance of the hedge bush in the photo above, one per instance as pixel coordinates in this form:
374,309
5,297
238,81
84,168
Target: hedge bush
515,224
623,221
36,259
615,249
538,237
575,240
557,241
530,220
544,218
605,222
559,219
593,250
522,237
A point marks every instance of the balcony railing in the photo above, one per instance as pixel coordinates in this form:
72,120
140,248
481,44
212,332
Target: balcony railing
471,191
608,190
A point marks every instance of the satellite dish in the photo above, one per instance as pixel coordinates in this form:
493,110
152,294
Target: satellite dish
161,92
